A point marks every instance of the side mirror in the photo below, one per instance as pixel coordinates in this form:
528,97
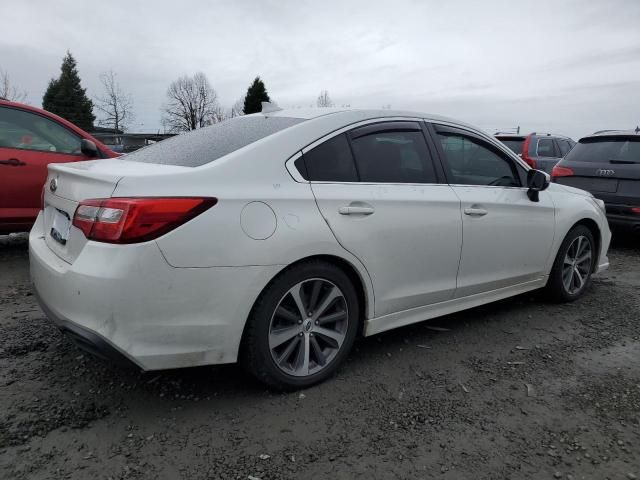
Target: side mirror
88,148
537,181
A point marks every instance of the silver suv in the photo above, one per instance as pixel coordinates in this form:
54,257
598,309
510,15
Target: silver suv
539,150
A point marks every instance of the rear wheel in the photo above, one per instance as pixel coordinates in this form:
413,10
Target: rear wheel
302,326
571,272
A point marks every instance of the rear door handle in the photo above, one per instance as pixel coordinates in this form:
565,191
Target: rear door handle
475,212
13,162
355,210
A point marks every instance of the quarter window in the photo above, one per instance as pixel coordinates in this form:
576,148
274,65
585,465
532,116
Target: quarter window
545,148
564,147
29,131
471,161
393,157
330,161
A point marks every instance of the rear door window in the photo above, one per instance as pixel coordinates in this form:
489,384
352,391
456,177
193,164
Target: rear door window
207,144
393,153
546,148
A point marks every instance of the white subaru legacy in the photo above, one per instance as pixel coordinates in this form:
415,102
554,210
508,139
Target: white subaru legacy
275,239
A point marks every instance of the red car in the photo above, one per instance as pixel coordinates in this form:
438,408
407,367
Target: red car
30,139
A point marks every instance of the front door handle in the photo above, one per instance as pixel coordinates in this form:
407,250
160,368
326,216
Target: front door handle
475,212
13,162
355,210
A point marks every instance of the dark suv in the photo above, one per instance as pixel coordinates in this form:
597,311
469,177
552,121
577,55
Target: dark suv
607,164
539,150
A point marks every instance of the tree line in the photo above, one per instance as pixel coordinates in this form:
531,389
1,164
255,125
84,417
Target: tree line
191,102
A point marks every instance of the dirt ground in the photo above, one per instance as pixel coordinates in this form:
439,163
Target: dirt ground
517,389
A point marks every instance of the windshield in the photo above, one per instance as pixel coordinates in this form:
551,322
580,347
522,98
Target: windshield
514,144
606,149
207,144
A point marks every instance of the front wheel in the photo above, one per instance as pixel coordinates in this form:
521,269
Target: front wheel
571,272
302,326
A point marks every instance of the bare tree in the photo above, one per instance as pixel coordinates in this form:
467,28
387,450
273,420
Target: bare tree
9,91
115,105
191,103
218,114
237,108
324,100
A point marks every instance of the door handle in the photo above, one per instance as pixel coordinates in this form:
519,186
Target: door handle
355,210
475,212
13,162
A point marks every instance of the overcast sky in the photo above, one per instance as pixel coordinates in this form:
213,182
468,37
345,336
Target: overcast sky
564,66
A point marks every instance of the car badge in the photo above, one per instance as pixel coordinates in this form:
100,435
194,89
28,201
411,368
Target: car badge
603,172
53,185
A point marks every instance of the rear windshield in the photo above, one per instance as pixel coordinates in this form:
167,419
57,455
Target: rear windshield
207,144
514,144
606,150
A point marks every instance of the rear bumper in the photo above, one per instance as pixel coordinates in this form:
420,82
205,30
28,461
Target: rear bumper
87,339
126,301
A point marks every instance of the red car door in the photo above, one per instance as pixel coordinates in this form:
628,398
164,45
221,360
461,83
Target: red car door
28,143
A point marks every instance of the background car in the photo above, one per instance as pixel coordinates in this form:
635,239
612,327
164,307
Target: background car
607,164
538,150
30,139
276,238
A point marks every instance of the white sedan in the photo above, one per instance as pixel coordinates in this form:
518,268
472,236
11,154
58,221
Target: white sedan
277,238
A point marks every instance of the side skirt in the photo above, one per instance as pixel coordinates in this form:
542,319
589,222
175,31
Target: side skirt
419,314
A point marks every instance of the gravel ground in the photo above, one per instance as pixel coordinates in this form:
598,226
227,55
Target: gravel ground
516,389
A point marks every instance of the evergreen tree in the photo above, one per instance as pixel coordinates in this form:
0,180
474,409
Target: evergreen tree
256,94
66,97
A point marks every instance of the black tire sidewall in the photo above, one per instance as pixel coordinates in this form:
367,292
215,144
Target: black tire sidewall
558,289
261,363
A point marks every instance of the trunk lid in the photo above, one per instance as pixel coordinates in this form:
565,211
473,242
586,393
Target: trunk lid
70,183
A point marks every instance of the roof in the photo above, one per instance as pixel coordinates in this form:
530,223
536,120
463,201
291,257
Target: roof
349,115
616,133
518,136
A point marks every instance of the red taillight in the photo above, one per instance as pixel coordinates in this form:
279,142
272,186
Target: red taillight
559,171
133,220
525,153
635,209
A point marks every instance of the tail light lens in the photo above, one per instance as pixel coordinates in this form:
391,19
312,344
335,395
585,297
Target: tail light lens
635,209
525,153
134,220
559,171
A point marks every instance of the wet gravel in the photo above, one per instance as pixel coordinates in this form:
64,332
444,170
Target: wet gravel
518,389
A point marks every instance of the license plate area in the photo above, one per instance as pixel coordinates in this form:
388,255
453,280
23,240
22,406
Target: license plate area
60,226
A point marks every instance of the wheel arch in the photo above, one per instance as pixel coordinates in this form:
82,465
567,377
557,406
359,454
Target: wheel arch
364,289
597,236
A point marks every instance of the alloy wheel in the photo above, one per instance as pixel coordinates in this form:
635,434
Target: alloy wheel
308,327
577,265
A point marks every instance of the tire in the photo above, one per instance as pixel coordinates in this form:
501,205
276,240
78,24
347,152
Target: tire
311,336
558,289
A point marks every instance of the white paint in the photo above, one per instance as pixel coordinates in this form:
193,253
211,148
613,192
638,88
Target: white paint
184,299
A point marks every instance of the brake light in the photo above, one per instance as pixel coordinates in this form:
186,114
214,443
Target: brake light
525,153
559,171
134,220
635,209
